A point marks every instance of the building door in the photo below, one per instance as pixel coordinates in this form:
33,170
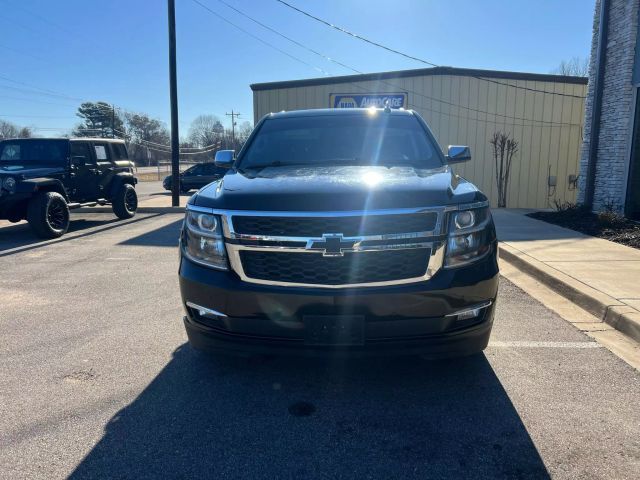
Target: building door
632,203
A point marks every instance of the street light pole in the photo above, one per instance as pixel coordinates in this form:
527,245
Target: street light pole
173,88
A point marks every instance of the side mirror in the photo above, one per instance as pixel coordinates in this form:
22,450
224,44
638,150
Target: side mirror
458,153
225,158
78,160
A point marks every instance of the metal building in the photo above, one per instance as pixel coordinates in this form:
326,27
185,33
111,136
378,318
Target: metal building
544,113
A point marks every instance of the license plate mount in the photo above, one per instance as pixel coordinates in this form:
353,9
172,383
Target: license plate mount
334,330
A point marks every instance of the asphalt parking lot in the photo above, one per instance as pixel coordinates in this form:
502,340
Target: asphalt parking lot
97,380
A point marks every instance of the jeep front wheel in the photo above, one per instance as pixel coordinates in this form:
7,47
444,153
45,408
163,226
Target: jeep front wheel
125,202
48,215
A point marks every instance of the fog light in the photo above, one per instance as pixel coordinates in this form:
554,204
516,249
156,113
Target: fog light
466,315
469,313
204,311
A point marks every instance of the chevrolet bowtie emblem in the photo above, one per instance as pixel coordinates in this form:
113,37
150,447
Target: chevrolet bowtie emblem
331,244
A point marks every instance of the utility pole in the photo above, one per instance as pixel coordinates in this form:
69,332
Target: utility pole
113,121
233,116
173,89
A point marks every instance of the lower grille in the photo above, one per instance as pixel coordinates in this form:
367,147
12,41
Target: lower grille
352,268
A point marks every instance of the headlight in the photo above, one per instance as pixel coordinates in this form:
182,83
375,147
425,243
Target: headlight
9,184
469,236
202,240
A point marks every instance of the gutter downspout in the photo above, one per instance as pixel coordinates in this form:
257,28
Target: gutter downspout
594,135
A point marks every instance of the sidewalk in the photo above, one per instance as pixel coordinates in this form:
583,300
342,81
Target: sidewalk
600,276
155,203
162,201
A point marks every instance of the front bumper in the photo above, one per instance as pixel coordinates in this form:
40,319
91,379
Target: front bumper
403,319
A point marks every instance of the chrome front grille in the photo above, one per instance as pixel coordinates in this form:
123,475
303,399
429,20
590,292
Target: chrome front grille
336,249
390,247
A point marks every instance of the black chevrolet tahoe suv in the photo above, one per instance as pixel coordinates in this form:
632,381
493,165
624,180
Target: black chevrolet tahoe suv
339,231
42,178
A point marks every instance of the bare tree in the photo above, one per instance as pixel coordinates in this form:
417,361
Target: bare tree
576,67
504,149
147,138
205,130
10,130
242,134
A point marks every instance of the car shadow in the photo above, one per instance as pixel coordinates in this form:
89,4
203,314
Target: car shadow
20,236
272,417
165,236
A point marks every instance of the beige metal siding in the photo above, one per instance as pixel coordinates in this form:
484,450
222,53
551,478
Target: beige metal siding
467,110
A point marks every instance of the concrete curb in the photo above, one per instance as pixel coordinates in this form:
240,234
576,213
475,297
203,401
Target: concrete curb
620,316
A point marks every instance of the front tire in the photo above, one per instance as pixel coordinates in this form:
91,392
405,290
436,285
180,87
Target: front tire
48,215
125,202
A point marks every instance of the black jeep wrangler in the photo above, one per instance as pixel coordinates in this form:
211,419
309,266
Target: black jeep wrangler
41,179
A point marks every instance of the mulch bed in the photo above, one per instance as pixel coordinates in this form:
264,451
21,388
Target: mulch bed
606,225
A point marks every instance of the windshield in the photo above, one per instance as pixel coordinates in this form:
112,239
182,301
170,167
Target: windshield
34,151
378,139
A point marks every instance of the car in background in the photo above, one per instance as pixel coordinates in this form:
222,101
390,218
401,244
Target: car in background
196,177
41,179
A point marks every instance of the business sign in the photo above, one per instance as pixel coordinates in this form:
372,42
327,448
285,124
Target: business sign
378,100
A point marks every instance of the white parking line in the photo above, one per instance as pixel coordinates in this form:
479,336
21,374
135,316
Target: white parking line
526,344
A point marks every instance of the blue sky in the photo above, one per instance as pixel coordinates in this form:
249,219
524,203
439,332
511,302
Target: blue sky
116,50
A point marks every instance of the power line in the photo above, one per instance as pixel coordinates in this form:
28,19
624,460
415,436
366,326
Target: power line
411,57
270,45
295,42
22,53
420,94
355,35
106,110
34,116
168,149
44,90
43,19
204,149
34,100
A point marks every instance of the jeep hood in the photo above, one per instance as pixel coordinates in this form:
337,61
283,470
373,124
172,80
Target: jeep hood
336,188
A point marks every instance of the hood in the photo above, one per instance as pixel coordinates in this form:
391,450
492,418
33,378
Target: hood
29,171
337,188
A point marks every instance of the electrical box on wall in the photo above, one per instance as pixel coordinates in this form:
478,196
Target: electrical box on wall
553,180
572,180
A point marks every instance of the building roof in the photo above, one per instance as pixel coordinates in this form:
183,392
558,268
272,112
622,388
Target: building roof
320,112
464,72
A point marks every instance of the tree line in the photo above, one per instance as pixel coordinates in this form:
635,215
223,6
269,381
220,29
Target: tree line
147,138
11,130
